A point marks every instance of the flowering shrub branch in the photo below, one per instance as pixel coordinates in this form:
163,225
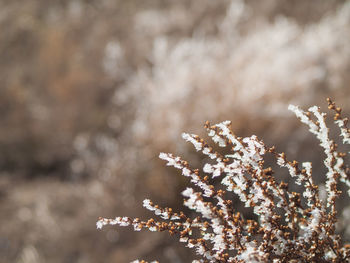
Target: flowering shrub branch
290,227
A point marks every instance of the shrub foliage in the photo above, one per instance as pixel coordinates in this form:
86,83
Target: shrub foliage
287,227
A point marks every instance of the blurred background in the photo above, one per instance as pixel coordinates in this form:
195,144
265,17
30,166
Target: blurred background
91,91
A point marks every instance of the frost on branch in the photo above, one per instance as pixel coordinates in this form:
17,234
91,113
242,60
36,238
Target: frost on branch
290,227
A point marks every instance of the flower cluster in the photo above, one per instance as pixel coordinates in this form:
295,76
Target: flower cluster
288,226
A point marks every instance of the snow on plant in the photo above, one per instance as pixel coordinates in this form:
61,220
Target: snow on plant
290,227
